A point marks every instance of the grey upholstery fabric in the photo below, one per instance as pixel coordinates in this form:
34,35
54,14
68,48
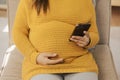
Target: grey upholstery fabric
102,54
103,57
103,13
12,7
13,68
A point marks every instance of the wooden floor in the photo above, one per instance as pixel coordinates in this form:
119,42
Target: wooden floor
115,20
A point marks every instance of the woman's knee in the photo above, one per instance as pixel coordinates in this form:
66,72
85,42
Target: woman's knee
47,77
82,76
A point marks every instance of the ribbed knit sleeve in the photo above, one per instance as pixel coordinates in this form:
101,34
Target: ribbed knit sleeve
20,34
93,31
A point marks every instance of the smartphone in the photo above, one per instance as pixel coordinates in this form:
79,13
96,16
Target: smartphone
79,29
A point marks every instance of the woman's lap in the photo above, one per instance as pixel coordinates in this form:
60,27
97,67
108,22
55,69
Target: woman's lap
81,76
47,77
67,76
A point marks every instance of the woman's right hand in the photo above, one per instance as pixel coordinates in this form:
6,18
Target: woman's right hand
44,59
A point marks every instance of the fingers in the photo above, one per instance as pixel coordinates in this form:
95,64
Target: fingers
81,41
50,62
46,58
77,37
50,54
80,37
81,45
86,33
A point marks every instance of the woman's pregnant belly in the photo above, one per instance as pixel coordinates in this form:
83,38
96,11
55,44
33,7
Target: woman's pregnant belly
54,37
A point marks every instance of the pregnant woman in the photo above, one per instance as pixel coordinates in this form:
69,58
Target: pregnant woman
42,30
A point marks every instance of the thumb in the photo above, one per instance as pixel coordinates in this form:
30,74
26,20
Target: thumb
50,55
86,33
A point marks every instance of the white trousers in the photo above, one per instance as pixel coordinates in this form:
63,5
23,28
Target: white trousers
67,76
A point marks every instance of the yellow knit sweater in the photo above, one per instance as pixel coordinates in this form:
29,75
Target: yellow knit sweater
34,34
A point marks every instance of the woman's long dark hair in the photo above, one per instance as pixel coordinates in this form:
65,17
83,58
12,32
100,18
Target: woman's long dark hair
41,4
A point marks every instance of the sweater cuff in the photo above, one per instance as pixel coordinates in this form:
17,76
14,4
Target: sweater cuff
33,57
93,40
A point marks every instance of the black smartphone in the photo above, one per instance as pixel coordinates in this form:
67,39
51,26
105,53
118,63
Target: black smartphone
79,29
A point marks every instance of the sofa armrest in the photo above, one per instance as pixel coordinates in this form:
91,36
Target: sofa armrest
12,70
104,59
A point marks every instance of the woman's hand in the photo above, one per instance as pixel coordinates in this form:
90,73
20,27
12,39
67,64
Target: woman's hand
45,59
81,41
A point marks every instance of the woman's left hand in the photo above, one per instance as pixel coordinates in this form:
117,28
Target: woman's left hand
81,41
